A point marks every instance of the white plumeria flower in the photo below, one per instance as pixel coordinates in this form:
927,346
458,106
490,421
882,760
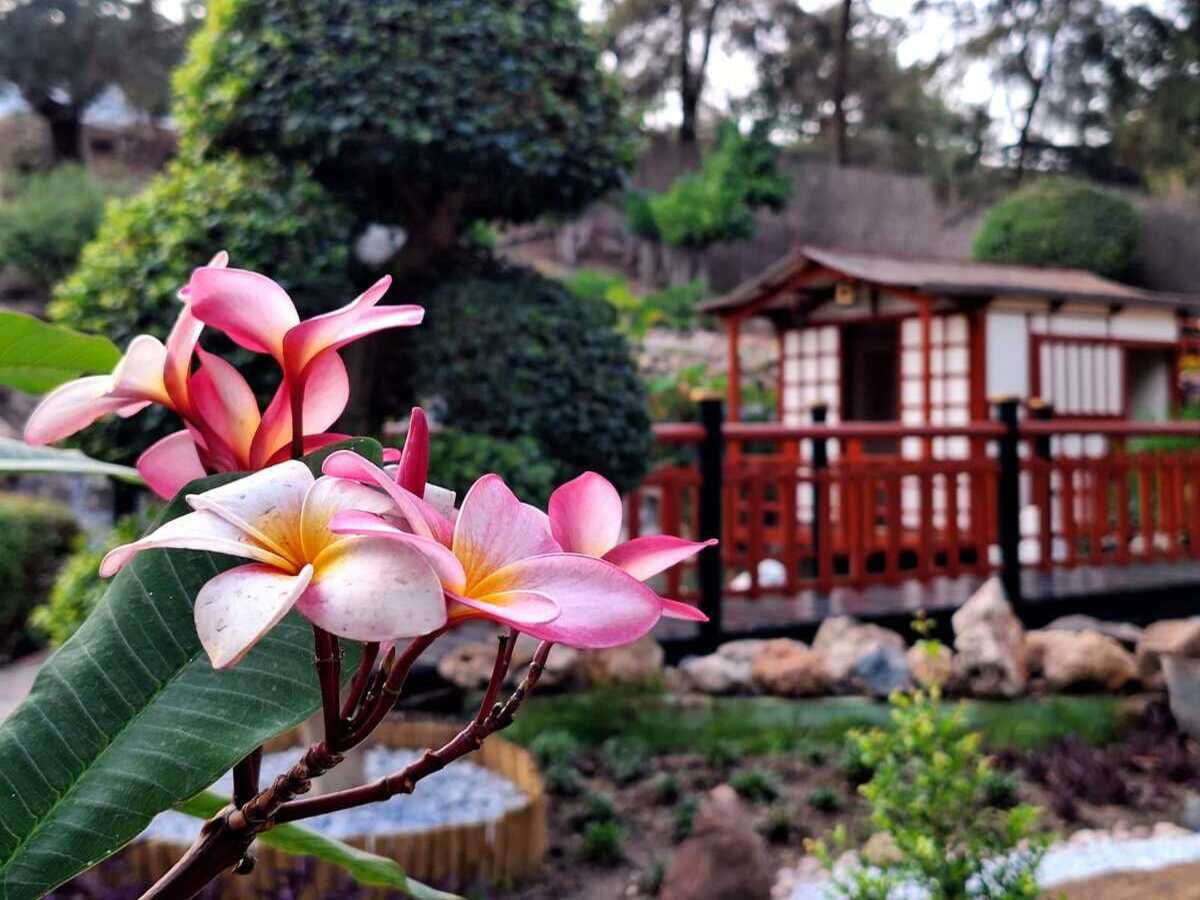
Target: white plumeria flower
362,588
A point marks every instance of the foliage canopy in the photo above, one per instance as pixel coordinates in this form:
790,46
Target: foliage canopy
1061,222
490,110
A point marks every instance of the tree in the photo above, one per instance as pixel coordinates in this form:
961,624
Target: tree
664,46
62,54
428,115
1062,222
1059,58
834,80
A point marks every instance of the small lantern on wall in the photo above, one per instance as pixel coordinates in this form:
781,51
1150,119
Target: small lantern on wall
844,293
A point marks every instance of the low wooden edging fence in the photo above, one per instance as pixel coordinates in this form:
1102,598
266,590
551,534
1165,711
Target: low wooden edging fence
510,848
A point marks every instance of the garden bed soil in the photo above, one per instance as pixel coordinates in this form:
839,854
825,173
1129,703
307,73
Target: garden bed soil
1180,882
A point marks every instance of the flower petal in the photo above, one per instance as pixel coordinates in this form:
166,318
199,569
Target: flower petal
266,504
585,515
517,608
441,499
139,374
71,407
494,529
252,309
236,608
341,326
414,459
422,518
181,345
449,570
674,609
326,393
368,589
224,401
170,463
645,557
195,531
599,605
324,501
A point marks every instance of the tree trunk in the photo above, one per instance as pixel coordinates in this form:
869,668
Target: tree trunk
65,122
841,154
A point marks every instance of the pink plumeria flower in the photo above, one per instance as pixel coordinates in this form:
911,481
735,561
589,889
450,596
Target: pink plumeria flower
585,517
259,315
362,588
497,560
225,430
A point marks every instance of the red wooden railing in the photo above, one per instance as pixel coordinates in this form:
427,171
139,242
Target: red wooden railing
812,507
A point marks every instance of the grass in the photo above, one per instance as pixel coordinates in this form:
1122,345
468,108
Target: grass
761,725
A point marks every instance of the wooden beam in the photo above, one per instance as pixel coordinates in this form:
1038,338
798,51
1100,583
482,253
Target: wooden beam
733,402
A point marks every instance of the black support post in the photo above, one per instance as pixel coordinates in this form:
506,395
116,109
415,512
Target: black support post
820,461
1008,499
711,463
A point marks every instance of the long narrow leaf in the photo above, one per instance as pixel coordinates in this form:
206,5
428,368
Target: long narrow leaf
17,456
36,356
368,869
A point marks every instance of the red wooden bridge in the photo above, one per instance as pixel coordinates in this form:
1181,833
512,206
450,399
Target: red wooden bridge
815,519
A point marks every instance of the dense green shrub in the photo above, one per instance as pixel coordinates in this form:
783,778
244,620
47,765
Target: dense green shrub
271,218
506,352
756,786
457,458
46,221
37,535
603,843
555,748
670,307
79,587
499,108
717,202
626,758
1062,222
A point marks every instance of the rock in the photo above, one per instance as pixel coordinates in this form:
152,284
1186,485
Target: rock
1070,660
1123,632
1168,830
633,664
468,666
716,674
931,667
788,668
1190,817
881,850
883,670
563,669
842,641
1178,636
744,650
989,644
724,859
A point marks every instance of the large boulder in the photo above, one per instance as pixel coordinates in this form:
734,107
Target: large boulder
1070,660
1178,637
1124,632
468,666
633,664
931,664
843,642
724,859
883,670
789,669
563,669
726,671
989,644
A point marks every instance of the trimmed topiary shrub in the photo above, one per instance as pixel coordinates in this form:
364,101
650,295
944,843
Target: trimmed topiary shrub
457,458
480,109
48,219
506,352
37,535
1062,222
271,218
79,587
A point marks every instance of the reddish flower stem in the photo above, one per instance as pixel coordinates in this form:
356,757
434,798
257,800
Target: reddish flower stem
327,656
366,667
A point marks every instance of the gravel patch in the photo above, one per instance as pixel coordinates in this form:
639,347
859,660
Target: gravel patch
1072,860
462,793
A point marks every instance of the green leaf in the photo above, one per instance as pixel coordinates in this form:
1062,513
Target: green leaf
368,869
128,718
36,356
17,456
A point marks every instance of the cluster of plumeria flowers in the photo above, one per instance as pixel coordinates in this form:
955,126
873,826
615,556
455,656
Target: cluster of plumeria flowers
366,553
